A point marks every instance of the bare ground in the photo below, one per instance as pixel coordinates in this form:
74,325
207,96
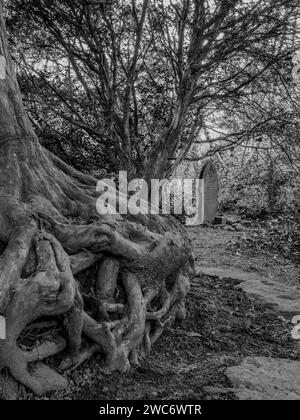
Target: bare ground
217,247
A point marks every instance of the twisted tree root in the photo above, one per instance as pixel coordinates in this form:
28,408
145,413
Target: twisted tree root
52,290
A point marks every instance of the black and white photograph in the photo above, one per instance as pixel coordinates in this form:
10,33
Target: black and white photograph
150,204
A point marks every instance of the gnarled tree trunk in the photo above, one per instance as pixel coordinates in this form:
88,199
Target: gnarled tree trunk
50,232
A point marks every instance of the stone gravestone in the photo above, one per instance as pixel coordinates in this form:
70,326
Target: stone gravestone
2,328
2,67
297,205
211,190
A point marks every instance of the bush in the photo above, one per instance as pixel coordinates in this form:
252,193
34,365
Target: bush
257,189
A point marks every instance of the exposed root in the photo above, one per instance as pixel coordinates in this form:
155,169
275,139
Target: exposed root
52,290
151,299
139,287
103,336
106,281
15,254
83,260
45,350
165,301
69,364
9,387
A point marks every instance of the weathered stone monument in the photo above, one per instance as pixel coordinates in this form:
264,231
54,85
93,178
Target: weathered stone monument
211,191
297,205
206,196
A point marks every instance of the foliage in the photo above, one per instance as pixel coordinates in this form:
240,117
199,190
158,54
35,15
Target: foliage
276,235
265,184
139,79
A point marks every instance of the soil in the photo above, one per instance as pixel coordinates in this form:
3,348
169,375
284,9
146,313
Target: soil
217,247
222,327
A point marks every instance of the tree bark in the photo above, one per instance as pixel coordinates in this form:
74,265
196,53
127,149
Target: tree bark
51,237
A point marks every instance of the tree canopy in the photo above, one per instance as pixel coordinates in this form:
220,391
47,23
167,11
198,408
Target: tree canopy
133,84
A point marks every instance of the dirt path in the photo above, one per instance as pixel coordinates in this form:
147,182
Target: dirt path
220,248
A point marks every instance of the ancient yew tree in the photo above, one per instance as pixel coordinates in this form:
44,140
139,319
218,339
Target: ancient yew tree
52,240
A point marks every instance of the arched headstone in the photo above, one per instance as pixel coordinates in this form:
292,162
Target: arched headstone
211,191
297,205
2,67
